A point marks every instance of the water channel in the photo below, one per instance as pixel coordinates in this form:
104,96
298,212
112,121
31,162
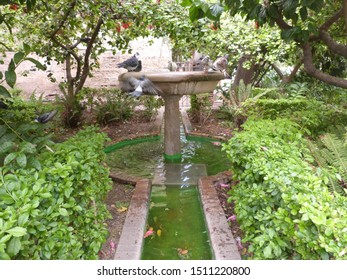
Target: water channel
175,215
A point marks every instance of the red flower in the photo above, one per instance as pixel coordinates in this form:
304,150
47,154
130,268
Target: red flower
14,7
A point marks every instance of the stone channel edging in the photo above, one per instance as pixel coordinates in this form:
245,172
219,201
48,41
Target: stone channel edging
223,244
131,239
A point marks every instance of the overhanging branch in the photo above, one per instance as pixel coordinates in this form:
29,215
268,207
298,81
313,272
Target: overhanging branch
313,71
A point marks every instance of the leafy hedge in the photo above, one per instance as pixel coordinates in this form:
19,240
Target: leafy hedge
313,116
282,206
56,210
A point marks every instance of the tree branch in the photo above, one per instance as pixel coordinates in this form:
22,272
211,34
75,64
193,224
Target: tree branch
64,19
327,39
313,71
345,13
86,65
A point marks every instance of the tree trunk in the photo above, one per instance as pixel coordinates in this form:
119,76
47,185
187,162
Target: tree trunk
243,73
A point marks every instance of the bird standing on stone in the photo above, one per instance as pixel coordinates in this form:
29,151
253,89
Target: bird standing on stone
139,87
138,68
221,64
200,61
131,63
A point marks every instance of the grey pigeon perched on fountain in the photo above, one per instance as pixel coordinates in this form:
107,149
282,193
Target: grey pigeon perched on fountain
221,64
139,87
131,63
200,61
138,68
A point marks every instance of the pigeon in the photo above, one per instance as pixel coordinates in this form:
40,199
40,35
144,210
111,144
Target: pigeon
46,117
221,64
131,63
139,87
138,68
172,66
200,62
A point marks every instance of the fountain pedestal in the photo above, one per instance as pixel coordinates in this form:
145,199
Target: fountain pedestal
173,86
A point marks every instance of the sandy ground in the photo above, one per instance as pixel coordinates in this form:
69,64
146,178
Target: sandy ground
154,57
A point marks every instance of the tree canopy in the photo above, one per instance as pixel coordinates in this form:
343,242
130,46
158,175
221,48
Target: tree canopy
316,27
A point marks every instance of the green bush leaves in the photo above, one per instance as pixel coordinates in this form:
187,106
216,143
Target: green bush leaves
285,210
55,211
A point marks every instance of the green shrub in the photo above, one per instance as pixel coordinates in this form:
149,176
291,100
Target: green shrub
200,107
151,104
283,208
56,210
112,105
314,117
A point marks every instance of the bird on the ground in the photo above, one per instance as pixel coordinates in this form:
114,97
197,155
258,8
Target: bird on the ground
138,68
131,63
46,117
139,87
221,64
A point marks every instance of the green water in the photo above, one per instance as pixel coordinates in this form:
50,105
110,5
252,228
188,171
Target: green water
176,212
140,160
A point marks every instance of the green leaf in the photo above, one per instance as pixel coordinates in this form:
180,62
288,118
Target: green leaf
6,198
13,247
303,13
11,66
195,13
4,256
186,3
37,63
216,10
28,147
18,57
26,48
268,252
5,238
10,157
11,78
6,146
21,160
17,231
4,92
31,4
22,219
63,212
1,75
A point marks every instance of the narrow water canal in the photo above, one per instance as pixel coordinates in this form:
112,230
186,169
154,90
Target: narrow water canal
175,225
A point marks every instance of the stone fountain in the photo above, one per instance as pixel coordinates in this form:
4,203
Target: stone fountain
173,86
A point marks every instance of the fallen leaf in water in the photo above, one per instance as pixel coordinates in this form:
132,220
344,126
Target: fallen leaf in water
122,209
216,143
149,233
159,232
182,251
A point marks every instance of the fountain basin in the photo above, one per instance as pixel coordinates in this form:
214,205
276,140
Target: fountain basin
173,86
179,83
